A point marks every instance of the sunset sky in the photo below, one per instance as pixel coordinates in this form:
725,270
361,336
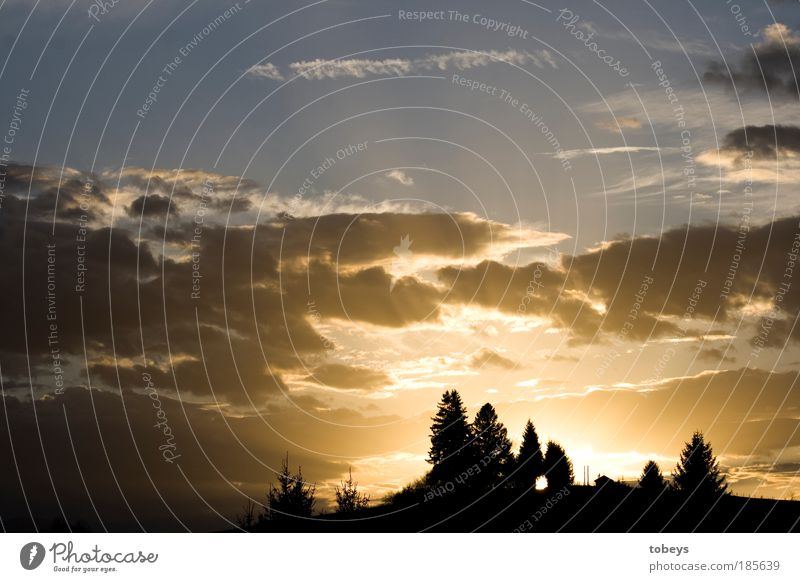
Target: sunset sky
290,226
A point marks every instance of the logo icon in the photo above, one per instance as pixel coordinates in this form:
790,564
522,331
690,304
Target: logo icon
400,263
31,555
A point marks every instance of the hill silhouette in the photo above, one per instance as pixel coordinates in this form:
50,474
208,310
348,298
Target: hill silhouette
477,484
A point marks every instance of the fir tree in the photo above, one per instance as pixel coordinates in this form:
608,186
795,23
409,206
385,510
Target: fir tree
697,472
652,480
491,447
292,497
530,460
348,497
558,467
450,438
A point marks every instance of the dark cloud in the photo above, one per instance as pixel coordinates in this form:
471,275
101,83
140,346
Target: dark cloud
765,142
770,67
489,357
153,205
348,239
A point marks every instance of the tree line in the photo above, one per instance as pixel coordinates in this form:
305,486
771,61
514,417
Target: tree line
475,457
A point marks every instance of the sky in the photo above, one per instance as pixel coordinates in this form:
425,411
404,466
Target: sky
237,230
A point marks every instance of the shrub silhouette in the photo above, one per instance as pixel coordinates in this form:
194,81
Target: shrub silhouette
491,447
652,480
292,497
450,438
697,473
558,467
348,498
530,460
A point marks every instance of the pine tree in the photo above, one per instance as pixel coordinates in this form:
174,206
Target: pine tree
530,460
697,472
348,498
450,438
292,497
491,447
558,467
652,480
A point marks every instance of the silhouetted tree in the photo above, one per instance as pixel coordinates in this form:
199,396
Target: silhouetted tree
348,498
697,472
557,466
248,518
292,497
450,438
530,460
491,447
652,480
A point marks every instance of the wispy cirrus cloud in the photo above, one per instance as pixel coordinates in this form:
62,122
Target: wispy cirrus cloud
319,69
577,153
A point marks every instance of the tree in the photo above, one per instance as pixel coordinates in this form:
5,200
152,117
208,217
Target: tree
491,447
697,472
348,498
248,519
652,480
292,497
558,467
450,438
530,460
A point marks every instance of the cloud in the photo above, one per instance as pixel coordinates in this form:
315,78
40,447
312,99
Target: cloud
487,357
577,153
765,142
769,68
349,377
265,71
619,124
153,205
768,153
401,177
318,69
